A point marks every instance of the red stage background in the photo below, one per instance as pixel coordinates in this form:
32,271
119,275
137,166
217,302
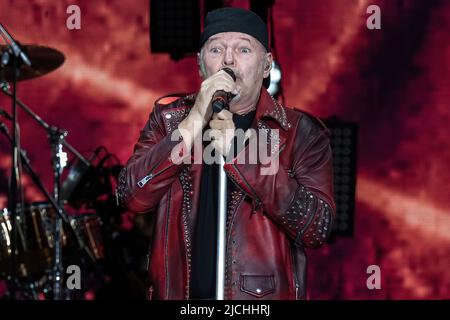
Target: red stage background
394,82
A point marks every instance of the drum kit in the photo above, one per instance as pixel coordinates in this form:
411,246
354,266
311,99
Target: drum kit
38,239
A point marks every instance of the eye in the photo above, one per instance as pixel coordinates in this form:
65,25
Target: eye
214,50
245,50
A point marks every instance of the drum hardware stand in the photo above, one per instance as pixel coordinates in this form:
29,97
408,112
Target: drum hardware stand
56,137
59,161
5,88
56,205
12,59
26,162
15,56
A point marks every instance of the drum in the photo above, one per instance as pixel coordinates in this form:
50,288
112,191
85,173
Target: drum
35,238
5,235
37,229
89,227
40,222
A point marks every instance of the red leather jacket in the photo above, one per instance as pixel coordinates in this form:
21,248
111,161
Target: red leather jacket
271,218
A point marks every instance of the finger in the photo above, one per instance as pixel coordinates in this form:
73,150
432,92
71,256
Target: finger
225,115
215,87
215,124
226,74
217,84
220,77
214,134
225,86
218,145
223,79
221,124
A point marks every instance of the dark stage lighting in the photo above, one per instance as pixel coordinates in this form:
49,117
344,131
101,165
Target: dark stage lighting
343,145
174,27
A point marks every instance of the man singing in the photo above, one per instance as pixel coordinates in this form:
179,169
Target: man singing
272,214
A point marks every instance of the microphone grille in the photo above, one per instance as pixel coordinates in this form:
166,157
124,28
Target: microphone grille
230,72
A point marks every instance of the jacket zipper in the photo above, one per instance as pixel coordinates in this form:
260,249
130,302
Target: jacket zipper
294,272
141,183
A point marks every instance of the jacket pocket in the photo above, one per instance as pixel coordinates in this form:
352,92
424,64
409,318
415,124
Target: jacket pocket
257,285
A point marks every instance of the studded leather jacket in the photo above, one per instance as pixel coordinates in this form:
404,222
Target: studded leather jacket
271,219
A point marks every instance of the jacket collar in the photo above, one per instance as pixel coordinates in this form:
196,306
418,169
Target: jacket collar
268,107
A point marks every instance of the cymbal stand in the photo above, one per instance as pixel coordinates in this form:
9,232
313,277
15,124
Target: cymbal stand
12,56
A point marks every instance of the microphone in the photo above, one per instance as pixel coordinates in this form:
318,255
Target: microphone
221,99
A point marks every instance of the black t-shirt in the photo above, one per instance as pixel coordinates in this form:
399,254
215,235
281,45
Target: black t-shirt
204,254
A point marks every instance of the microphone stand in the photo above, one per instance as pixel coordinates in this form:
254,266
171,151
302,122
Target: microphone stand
221,231
217,106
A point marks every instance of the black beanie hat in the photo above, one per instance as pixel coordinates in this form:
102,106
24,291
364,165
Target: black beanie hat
235,20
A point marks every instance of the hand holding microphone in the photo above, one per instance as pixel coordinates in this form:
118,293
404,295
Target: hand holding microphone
221,98
214,95
222,125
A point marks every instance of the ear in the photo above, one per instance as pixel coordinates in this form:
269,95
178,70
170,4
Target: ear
268,64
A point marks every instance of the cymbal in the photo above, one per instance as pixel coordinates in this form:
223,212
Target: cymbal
43,60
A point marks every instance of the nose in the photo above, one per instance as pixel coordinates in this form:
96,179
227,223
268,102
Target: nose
228,59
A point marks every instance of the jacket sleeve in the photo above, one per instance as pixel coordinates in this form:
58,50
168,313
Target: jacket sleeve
300,198
150,171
